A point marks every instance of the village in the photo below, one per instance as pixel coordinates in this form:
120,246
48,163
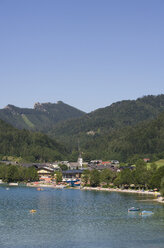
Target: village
71,172
92,175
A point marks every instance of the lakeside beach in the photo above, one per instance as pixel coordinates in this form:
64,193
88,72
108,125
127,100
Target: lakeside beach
156,195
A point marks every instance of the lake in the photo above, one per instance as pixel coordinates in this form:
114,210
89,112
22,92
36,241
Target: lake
68,218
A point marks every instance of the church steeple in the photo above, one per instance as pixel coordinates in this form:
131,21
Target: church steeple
80,160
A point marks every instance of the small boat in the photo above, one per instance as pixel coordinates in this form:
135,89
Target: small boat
133,209
146,212
33,211
13,184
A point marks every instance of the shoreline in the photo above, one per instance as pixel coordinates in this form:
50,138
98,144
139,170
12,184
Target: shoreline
156,195
158,198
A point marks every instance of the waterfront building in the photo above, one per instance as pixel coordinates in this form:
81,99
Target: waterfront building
73,174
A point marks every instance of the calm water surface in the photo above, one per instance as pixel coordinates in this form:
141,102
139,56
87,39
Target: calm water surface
77,219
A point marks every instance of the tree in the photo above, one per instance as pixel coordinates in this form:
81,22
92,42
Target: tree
15,173
11,175
140,174
107,176
117,180
63,167
126,177
58,176
94,178
156,178
86,176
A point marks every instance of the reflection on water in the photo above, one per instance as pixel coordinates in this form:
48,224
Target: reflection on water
74,218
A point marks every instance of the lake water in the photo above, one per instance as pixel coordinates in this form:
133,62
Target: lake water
77,219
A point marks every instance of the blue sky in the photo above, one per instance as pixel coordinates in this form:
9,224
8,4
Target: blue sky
87,53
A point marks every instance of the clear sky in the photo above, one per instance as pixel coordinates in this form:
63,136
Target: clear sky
87,53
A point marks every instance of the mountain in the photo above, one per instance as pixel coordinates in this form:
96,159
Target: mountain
145,139
41,117
29,146
117,115
114,132
96,132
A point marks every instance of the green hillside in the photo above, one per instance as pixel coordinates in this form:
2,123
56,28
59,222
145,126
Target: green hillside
124,131
30,146
117,132
117,115
146,139
41,118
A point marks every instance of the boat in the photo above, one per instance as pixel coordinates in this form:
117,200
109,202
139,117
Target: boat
73,182
33,211
146,212
133,209
13,184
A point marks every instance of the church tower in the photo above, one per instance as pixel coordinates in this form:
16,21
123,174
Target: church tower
80,162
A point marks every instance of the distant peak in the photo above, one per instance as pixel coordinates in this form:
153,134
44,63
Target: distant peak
40,106
9,106
60,102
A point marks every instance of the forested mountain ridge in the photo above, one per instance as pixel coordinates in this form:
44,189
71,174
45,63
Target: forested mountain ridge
29,146
41,118
126,144
112,132
119,131
117,115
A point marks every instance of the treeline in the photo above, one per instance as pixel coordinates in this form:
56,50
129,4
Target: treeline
139,177
30,146
15,173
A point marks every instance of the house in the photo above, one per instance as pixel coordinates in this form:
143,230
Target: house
56,167
146,160
45,174
106,163
73,165
72,174
115,162
101,167
95,161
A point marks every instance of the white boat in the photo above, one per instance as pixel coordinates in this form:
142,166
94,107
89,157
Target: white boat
13,184
146,212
